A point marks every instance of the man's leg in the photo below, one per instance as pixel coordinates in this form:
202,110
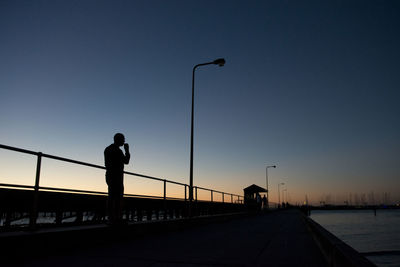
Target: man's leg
112,205
120,203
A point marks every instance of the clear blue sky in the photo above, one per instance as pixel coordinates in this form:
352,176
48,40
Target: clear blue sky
311,86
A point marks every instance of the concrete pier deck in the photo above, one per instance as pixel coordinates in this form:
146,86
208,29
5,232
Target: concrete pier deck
274,239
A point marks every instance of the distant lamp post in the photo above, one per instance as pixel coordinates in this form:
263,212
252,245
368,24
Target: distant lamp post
220,62
266,178
279,194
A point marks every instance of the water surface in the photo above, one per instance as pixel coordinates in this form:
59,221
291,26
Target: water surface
377,236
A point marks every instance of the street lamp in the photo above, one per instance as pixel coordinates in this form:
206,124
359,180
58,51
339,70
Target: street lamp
279,194
266,178
220,62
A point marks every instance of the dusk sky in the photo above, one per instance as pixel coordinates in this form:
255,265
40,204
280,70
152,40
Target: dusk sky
311,86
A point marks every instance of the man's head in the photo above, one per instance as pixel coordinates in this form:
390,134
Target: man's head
119,139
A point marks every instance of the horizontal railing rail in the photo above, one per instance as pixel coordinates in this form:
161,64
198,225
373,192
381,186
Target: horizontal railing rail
234,198
17,186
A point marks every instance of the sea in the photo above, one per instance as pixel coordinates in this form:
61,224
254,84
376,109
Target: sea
377,237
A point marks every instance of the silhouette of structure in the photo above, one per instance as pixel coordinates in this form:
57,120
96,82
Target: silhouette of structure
282,238
252,198
220,62
23,205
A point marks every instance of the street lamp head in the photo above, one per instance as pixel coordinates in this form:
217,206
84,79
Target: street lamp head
219,61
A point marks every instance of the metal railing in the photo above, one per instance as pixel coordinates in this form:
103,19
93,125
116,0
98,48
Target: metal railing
232,198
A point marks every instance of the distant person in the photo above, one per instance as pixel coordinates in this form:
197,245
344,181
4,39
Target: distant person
258,201
114,160
264,202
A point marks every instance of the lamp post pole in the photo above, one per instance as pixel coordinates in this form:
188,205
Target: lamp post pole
266,178
279,194
221,63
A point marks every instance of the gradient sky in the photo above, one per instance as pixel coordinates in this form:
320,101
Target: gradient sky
311,86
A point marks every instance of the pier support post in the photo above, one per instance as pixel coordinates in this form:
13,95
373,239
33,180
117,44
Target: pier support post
165,199
34,211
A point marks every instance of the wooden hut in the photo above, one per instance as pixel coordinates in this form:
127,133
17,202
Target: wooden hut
250,194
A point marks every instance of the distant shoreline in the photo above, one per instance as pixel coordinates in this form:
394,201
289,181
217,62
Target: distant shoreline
334,207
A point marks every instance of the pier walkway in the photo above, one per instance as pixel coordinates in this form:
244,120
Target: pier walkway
273,239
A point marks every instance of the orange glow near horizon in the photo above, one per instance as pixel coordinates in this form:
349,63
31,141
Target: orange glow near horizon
19,168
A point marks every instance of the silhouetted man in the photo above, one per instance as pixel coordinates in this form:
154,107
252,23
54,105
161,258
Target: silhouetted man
114,160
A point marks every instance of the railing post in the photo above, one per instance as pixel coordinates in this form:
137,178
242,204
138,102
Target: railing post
223,197
165,199
34,212
211,196
196,193
187,212
165,189
231,198
185,193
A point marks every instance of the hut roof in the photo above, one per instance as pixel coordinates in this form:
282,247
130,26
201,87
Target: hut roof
254,189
